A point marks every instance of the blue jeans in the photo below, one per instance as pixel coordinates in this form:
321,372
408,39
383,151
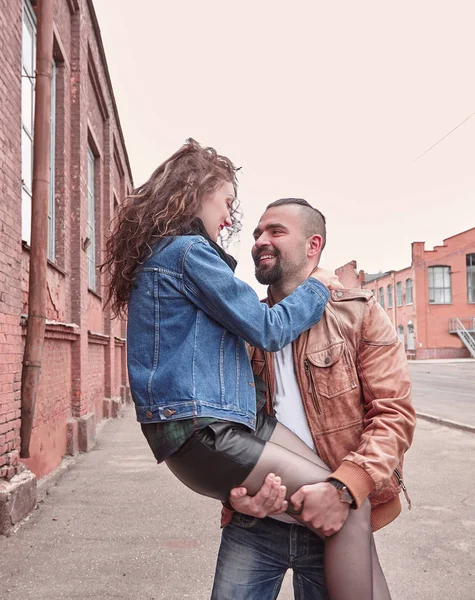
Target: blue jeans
255,554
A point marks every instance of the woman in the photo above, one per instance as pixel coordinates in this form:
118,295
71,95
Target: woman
189,371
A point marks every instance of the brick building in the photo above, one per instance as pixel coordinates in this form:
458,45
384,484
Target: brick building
432,302
83,373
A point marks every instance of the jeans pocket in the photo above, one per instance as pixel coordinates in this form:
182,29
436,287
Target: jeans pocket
244,521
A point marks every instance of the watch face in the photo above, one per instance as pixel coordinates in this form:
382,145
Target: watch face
346,496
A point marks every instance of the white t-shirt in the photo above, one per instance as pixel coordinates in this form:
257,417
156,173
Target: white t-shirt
288,404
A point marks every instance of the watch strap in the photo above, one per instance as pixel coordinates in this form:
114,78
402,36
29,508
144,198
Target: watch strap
343,491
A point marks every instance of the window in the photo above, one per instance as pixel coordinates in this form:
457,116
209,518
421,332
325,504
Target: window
28,62
411,341
408,291
399,293
390,295
471,278
400,332
28,59
51,203
440,287
381,296
91,228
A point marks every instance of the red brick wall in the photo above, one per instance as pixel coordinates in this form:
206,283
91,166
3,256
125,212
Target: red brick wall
96,379
399,315
434,318
53,408
430,321
348,276
74,370
10,235
441,353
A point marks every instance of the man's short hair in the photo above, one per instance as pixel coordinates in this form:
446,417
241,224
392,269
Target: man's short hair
315,222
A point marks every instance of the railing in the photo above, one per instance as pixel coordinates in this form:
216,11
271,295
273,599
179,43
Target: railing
468,323
458,326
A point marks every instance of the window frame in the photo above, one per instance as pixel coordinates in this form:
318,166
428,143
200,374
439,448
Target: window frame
470,277
431,273
401,334
52,167
91,219
27,132
399,294
390,292
411,288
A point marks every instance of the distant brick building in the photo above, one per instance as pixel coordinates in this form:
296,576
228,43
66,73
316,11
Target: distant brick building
432,302
83,373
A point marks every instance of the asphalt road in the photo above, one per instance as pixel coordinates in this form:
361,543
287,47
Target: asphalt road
446,390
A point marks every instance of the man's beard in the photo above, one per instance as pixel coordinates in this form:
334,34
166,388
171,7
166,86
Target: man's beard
269,276
281,270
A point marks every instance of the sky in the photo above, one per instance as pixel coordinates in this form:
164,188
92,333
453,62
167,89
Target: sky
329,101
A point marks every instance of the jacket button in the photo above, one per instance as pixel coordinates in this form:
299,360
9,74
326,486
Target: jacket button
327,360
168,412
149,414
339,294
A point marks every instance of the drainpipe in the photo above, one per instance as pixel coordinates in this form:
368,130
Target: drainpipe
35,332
394,301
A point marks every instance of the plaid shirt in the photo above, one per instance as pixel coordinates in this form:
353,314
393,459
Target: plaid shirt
166,438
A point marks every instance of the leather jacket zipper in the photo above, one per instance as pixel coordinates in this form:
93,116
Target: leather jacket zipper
403,487
312,385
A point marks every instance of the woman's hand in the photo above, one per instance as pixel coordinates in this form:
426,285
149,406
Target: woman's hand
328,278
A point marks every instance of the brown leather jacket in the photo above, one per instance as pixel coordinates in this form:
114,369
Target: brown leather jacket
356,390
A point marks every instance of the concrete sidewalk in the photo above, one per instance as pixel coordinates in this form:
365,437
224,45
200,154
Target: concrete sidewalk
114,526
117,526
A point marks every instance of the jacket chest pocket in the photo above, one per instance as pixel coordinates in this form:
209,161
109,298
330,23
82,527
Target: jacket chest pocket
330,371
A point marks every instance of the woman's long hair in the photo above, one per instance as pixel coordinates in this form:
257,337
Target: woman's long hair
166,205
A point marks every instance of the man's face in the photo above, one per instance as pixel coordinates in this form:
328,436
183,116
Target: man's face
280,245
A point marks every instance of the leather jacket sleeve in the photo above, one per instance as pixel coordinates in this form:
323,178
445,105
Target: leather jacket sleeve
389,419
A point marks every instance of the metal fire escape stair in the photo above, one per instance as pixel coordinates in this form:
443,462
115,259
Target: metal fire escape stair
465,329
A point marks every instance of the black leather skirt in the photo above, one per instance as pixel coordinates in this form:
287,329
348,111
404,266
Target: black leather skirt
219,457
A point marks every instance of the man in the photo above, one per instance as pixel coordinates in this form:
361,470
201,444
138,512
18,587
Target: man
344,388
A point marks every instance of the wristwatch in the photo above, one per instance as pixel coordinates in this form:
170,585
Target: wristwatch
343,491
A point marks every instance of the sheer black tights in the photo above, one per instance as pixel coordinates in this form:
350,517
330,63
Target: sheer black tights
352,568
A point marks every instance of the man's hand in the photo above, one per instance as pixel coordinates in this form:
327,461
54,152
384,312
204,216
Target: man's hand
269,500
322,508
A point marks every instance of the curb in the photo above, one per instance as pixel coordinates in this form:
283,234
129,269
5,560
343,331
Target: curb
446,422
441,361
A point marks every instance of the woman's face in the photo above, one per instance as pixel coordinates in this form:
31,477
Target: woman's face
215,211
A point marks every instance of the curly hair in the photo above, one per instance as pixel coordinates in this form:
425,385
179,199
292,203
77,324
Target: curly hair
166,205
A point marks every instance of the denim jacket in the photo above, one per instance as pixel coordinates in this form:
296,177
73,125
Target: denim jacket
188,320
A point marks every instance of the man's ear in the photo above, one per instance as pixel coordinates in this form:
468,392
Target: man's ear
314,245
